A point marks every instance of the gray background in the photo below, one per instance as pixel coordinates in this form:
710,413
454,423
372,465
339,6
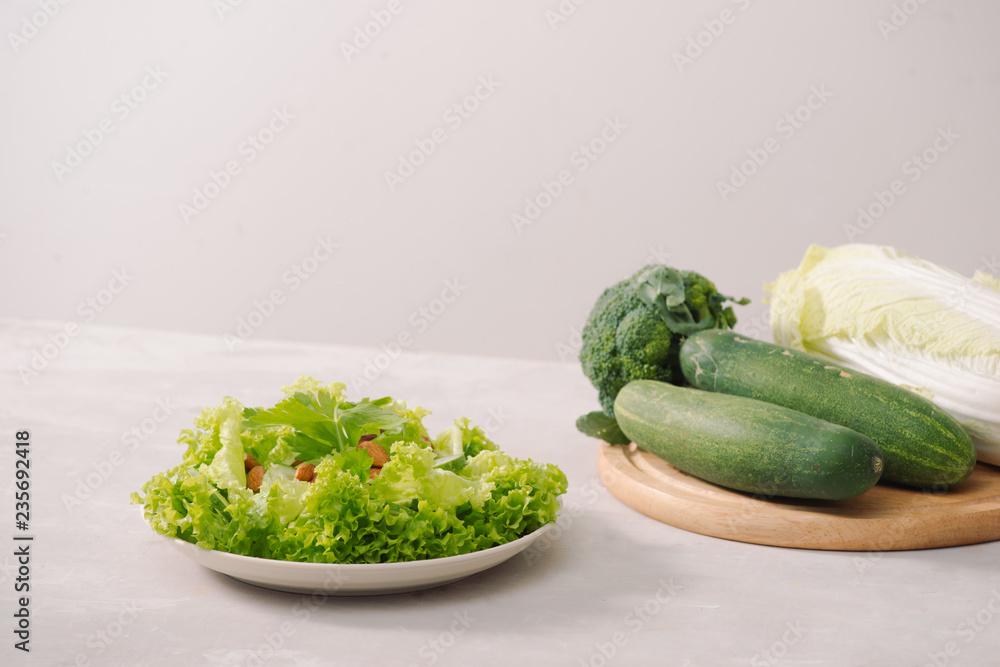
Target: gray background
891,83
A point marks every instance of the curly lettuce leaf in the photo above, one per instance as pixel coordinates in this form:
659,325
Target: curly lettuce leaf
285,497
226,468
410,475
186,504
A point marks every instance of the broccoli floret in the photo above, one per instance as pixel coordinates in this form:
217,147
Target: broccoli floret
636,328
625,340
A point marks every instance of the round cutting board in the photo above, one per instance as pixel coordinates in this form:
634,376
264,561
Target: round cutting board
886,518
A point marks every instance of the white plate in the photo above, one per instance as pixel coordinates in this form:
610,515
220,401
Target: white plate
373,579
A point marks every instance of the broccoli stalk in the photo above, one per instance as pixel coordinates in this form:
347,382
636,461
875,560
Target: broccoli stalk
637,326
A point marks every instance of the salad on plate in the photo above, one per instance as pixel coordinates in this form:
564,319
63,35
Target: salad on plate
318,478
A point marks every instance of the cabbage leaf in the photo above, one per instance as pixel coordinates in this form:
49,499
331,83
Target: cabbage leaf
903,319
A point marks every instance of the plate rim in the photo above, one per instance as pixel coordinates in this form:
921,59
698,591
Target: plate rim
408,564
368,578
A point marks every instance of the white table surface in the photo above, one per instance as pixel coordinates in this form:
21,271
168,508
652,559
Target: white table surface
106,591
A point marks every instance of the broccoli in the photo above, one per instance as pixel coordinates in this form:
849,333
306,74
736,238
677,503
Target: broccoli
637,326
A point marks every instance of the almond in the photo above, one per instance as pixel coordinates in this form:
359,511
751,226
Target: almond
374,472
366,438
305,472
255,477
376,451
315,475
249,462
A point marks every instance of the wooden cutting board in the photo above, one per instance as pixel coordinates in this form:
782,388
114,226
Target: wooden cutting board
886,518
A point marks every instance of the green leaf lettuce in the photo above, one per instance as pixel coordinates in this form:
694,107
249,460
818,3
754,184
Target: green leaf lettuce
436,497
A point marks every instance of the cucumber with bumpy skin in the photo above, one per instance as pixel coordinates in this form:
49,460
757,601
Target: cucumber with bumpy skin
747,445
922,445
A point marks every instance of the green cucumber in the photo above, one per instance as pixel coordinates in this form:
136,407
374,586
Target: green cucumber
922,445
747,445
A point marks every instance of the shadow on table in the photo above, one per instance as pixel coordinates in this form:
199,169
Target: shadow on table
590,559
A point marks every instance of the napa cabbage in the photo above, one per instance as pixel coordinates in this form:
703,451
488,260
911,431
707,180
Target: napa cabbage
904,319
